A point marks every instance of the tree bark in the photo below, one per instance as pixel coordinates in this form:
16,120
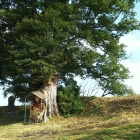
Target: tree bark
50,90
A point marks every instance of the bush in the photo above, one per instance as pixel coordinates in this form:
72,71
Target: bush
69,101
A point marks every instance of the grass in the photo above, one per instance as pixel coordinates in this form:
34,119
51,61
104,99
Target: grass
121,124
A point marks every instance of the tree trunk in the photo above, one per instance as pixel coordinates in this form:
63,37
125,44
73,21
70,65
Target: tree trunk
50,90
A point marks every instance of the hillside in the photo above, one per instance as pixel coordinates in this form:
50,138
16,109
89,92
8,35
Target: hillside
112,106
103,119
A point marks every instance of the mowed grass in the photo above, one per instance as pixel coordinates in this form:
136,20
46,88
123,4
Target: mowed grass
118,125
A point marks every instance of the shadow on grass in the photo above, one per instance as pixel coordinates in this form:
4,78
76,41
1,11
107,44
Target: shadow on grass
125,132
18,116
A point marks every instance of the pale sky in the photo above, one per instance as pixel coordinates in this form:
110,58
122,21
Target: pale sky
132,40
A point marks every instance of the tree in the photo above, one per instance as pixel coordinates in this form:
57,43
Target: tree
45,41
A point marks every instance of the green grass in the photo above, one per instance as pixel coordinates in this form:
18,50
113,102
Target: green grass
73,128
122,125
124,132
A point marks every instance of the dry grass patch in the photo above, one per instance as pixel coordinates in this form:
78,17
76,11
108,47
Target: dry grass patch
103,119
73,128
112,106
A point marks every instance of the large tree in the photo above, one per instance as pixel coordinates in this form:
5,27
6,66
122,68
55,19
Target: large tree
43,41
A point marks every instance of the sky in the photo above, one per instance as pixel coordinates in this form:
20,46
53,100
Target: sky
132,40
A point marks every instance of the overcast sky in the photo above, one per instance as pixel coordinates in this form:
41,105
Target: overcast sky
132,40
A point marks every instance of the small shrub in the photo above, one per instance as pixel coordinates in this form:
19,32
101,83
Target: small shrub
69,101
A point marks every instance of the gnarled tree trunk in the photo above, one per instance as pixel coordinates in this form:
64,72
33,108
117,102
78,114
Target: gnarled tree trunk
50,90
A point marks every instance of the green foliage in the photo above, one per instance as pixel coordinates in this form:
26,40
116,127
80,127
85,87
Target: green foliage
41,40
69,101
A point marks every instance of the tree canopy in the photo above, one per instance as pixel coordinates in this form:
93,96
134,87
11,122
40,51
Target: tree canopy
42,39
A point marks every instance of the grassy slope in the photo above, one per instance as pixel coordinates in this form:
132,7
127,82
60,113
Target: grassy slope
102,119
